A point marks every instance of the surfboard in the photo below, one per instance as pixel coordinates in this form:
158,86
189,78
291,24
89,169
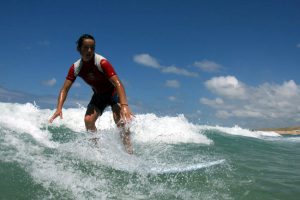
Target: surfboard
187,168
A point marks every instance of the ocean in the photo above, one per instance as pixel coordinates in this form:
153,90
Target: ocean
173,159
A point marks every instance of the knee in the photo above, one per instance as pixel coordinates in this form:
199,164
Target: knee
88,120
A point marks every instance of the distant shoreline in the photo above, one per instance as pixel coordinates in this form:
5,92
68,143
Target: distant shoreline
284,131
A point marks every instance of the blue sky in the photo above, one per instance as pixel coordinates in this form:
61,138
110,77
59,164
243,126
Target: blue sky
217,62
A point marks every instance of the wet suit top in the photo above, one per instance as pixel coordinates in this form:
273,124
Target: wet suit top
95,73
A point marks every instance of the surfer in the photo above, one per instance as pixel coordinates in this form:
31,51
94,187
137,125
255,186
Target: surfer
108,90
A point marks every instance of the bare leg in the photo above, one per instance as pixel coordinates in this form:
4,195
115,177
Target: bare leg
90,118
124,132
125,136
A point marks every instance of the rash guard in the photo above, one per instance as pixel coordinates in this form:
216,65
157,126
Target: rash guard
95,73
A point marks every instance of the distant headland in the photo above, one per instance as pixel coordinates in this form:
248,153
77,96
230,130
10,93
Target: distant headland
284,131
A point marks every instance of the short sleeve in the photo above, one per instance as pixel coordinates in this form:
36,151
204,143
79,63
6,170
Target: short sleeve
107,68
71,75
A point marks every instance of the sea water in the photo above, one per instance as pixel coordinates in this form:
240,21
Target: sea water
173,159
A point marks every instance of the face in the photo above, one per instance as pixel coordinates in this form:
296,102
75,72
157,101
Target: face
87,49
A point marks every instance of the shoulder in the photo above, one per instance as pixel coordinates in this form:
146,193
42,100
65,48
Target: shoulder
77,62
74,70
107,68
102,63
77,66
98,58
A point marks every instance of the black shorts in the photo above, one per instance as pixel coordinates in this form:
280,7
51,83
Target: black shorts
101,101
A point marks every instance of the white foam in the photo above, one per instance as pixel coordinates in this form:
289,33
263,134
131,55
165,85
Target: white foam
25,118
172,130
60,170
53,171
236,130
146,128
290,139
59,167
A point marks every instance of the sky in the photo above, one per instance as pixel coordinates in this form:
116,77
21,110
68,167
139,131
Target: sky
217,62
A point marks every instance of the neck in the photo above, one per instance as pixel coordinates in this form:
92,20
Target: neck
88,61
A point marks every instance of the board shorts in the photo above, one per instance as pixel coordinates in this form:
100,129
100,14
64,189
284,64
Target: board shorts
101,101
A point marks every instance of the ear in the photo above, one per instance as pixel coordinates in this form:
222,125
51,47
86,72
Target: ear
78,49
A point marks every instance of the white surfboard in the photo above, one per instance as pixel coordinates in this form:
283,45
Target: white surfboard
187,168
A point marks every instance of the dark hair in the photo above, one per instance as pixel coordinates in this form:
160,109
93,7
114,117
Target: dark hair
82,37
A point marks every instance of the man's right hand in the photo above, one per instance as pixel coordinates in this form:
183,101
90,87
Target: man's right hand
56,114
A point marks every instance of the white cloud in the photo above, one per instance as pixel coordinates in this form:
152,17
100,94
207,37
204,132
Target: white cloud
172,98
228,87
298,45
266,102
7,95
50,82
287,89
172,83
222,114
178,71
208,66
147,60
47,101
240,114
213,103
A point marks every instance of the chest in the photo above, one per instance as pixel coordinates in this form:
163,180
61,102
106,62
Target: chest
90,73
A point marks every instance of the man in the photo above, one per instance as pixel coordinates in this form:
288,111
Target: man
97,72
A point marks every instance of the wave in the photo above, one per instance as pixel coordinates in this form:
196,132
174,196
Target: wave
19,121
63,159
146,128
236,130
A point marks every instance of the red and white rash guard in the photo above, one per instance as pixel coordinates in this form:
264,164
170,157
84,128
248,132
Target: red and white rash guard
95,73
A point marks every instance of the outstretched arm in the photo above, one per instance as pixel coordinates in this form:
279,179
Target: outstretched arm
125,111
61,99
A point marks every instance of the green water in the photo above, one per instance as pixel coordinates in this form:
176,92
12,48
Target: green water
261,169
252,169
